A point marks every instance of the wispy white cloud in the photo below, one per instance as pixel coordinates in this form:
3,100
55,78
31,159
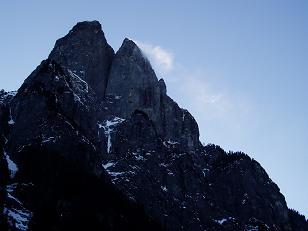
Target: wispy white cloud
192,87
199,95
210,102
221,114
160,58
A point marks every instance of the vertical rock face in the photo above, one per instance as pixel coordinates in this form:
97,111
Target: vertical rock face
59,101
133,85
85,51
99,145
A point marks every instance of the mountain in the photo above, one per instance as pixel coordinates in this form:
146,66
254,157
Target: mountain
92,141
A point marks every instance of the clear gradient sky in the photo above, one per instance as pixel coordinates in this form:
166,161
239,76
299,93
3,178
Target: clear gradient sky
240,67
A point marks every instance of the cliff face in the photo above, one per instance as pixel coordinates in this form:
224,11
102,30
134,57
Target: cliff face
92,141
85,51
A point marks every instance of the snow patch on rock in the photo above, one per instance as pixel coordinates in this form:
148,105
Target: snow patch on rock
164,188
18,216
11,121
11,165
109,127
78,82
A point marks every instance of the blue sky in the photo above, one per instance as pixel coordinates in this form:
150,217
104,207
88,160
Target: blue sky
240,67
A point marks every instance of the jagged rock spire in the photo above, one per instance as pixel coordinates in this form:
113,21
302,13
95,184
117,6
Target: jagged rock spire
85,51
134,85
133,79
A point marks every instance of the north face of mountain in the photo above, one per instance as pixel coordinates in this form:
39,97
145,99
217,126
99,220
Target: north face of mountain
92,141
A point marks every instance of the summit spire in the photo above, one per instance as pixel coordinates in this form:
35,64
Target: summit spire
85,52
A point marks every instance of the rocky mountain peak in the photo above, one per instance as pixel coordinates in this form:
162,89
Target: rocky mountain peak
130,49
92,141
133,81
162,86
85,52
95,26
